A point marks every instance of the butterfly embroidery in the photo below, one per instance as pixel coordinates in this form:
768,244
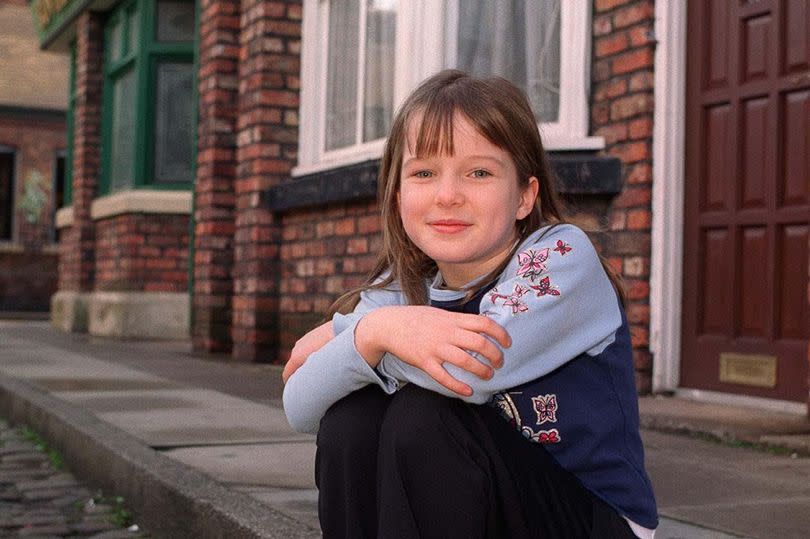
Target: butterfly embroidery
532,263
562,247
544,288
546,408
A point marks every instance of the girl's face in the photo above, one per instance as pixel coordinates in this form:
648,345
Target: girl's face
461,210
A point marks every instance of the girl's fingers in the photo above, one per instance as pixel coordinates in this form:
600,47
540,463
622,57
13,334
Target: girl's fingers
476,342
463,360
482,324
437,372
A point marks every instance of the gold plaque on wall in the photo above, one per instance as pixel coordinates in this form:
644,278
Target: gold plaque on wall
748,369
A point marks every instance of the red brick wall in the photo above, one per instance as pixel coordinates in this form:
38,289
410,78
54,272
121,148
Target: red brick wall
622,113
216,172
325,252
36,143
76,245
144,253
267,142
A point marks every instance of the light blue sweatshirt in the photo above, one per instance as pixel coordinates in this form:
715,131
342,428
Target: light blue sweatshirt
554,299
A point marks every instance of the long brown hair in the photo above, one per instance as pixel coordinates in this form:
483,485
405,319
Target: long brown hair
500,112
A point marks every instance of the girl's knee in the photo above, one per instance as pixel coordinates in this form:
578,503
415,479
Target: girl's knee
353,423
414,418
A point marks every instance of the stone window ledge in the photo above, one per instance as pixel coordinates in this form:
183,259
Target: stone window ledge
142,201
64,217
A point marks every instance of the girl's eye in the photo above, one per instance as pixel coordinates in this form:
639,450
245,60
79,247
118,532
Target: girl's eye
480,173
422,174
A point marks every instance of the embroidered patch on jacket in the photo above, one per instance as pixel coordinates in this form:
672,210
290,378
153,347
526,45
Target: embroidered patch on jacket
506,406
544,288
562,247
511,300
551,436
546,408
532,263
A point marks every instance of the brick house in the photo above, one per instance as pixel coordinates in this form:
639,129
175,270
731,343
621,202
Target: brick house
292,100
33,100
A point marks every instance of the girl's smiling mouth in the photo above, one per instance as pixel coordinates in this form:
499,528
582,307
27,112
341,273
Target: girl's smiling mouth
449,226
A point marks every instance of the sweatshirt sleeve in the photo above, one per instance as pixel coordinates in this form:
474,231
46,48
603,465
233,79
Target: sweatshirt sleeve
555,301
337,369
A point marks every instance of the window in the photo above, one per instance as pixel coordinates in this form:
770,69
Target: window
515,39
148,96
360,58
6,193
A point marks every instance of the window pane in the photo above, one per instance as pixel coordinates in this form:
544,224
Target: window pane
174,123
175,21
6,193
123,131
518,40
134,30
378,102
116,33
341,80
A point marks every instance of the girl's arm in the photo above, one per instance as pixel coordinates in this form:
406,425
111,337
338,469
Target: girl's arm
556,302
335,369
315,339
424,336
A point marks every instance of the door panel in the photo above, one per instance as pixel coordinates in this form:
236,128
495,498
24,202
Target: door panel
747,204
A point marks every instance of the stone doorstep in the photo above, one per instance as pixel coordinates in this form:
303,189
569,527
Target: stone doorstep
726,423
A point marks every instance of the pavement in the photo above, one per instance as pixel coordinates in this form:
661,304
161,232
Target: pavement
199,446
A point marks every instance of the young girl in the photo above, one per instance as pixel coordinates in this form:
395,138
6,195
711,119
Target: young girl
482,384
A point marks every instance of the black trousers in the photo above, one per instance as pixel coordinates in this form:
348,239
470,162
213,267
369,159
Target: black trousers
420,465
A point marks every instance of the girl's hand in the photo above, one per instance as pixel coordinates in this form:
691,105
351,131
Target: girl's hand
427,337
306,345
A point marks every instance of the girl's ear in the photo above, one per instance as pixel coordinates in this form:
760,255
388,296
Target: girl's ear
527,198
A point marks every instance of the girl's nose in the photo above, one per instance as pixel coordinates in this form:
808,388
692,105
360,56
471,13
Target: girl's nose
448,191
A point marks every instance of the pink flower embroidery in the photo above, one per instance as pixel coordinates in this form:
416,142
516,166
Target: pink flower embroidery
562,247
495,296
517,305
551,436
512,300
546,408
544,288
548,436
532,263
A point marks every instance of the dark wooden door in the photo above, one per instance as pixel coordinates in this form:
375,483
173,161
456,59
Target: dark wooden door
747,204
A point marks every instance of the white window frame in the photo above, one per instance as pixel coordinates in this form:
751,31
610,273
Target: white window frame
420,38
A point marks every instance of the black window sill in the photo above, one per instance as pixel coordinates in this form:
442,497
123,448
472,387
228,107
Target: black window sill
578,173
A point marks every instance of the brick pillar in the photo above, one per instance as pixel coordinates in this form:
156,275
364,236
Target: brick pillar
267,143
216,175
76,247
622,112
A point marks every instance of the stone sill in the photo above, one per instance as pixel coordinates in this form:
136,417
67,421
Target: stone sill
142,201
64,217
